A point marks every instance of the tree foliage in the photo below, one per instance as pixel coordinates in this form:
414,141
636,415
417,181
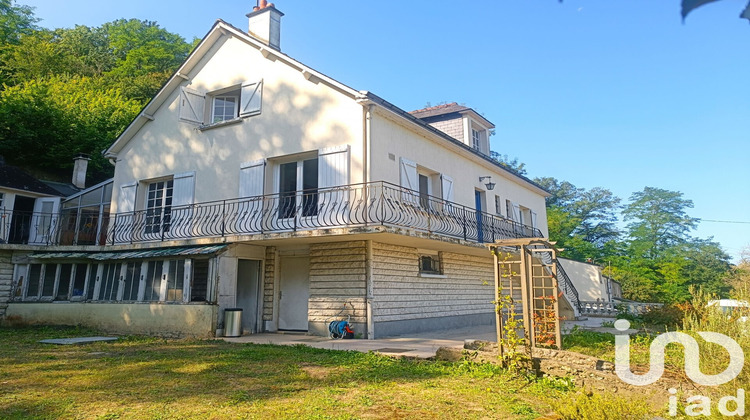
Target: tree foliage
655,258
657,220
583,222
69,91
44,122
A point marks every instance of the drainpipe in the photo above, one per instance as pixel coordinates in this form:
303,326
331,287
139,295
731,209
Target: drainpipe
366,146
369,293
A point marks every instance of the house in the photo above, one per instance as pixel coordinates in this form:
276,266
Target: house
23,201
253,181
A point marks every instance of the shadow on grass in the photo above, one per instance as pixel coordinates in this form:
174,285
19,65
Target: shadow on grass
148,374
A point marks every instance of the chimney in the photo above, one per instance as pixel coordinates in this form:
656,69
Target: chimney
79,170
265,24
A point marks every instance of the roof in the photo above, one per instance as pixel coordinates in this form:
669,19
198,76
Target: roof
132,254
222,28
443,109
432,113
393,108
18,179
65,189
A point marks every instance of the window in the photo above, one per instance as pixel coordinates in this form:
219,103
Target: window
224,108
1,200
117,281
79,280
212,108
35,273
63,283
498,205
159,206
199,287
131,281
109,282
476,139
175,281
429,263
298,188
153,280
424,191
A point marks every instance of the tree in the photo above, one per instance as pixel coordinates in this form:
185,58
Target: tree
658,220
512,164
15,21
44,123
581,221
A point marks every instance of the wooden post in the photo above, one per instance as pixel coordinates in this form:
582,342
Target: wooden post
498,315
527,295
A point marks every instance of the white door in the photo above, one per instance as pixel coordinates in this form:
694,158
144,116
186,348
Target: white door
294,293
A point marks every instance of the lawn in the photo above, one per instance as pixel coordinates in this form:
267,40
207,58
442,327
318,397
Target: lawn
144,377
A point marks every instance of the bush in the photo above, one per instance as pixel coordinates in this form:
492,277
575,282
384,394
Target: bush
583,406
670,316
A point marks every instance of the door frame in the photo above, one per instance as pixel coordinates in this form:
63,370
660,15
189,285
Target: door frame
259,324
282,255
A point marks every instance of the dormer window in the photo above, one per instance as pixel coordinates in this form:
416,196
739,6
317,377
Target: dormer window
476,139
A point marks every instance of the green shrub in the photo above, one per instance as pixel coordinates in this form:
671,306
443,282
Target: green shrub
583,406
670,316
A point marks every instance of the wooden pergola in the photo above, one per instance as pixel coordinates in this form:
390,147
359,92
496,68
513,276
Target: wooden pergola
525,271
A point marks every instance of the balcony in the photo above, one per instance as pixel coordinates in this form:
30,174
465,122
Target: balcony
350,206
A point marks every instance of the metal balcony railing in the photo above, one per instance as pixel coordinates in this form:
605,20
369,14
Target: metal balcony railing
349,206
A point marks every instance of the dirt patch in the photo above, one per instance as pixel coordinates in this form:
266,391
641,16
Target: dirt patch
317,372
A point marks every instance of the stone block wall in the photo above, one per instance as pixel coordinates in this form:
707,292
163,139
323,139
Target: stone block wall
337,285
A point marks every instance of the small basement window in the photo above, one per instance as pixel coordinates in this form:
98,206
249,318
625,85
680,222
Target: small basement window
429,263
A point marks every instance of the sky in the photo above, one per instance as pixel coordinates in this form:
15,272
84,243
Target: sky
619,94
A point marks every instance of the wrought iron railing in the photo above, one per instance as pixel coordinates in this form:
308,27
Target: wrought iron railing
566,286
359,205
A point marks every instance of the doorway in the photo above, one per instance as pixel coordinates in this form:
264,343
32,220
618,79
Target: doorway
20,224
294,293
478,202
249,294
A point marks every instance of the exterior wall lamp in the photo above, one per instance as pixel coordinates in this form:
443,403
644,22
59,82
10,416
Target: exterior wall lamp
490,185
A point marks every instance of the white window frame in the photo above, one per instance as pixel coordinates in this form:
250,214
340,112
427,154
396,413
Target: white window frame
299,184
235,109
476,139
164,209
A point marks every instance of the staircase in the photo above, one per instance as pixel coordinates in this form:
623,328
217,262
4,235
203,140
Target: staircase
565,284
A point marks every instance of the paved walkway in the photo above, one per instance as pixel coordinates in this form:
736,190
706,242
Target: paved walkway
423,345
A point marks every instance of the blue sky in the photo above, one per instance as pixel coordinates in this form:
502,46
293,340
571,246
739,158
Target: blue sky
618,94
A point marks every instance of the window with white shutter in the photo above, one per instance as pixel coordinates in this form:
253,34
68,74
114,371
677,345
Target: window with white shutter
447,184
251,98
221,106
192,105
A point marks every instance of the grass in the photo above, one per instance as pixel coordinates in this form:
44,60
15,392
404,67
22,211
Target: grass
143,377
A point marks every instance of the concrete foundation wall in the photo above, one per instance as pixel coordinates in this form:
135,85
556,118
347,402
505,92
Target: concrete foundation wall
121,318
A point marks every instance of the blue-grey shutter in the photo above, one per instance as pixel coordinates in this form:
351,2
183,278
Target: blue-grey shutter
192,105
251,98
409,180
